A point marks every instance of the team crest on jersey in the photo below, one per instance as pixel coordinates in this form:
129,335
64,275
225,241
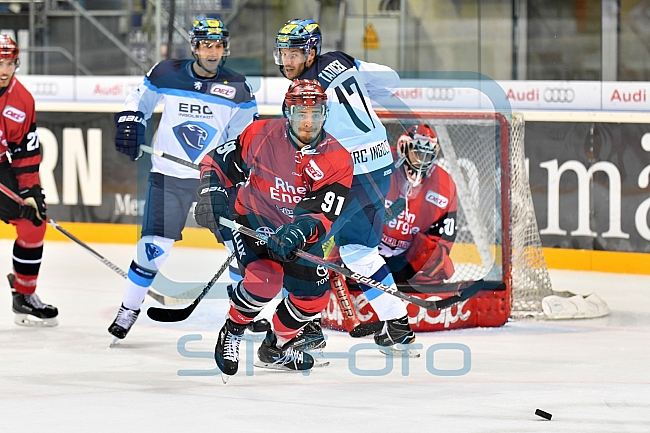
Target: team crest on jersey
314,171
153,251
193,137
223,90
14,114
437,199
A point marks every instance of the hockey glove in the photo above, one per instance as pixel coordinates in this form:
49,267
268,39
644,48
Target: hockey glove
34,208
212,202
131,127
289,238
430,257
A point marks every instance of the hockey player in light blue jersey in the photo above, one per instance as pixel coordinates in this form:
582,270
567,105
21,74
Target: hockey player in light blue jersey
350,85
205,105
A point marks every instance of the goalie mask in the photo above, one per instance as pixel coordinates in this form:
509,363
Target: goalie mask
418,150
305,107
206,32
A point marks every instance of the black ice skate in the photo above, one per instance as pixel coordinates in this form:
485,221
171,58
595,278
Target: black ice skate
30,310
122,323
289,357
310,337
226,352
394,332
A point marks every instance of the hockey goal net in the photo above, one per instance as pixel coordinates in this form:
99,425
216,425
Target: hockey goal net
497,235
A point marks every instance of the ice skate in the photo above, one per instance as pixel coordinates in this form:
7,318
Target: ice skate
226,352
394,332
289,357
122,323
310,337
30,310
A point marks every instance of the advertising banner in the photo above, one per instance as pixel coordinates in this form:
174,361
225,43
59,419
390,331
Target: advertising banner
590,184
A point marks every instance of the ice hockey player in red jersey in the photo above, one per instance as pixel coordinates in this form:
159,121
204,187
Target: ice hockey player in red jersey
419,240
20,157
296,179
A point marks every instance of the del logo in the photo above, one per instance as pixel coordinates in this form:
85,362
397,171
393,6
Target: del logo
314,170
223,90
437,199
193,137
14,114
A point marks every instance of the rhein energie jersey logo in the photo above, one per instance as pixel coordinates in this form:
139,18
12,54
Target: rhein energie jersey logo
194,136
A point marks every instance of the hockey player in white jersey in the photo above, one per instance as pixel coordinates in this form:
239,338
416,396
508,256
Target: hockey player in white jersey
350,85
205,105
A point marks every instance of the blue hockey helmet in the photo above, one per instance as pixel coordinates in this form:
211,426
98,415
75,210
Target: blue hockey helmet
298,33
210,29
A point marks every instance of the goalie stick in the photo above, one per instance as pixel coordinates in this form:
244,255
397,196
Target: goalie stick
178,315
158,297
466,289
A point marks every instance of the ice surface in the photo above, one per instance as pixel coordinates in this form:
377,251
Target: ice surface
591,375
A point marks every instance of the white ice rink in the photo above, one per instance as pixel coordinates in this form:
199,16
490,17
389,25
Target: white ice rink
591,375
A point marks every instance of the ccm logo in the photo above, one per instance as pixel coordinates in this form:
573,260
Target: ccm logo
223,90
14,114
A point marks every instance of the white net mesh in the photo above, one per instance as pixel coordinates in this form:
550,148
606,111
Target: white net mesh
474,149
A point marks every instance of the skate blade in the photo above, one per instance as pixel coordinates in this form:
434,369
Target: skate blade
114,342
394,351
277,367
34,322
224,378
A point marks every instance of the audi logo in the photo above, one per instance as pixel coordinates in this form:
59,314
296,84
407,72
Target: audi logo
440,94
552,94
44,89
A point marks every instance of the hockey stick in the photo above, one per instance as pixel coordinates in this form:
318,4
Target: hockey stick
173,315
158,297
162,154
467,289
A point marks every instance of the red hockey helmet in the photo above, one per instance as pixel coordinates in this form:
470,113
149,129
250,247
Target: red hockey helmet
8,48
418,149
304,93
305,96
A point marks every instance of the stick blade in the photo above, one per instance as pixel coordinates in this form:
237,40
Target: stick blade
169,315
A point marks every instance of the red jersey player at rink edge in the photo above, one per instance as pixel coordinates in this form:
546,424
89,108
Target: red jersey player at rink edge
297,178
20,157
417,243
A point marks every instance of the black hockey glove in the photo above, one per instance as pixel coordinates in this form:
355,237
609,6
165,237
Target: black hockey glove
131,126
212,203
34,208
289,238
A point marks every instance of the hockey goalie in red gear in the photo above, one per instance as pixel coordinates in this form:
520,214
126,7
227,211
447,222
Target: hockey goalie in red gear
417,243
295,179
20,157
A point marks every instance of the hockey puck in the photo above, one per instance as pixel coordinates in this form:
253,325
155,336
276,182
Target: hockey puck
543,414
